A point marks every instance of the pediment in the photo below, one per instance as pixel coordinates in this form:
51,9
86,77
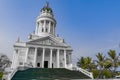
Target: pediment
47,41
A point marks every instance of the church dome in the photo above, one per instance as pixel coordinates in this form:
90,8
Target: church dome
46,8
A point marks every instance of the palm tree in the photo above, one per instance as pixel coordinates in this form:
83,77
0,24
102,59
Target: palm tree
81,63
114,59
86,63
100,63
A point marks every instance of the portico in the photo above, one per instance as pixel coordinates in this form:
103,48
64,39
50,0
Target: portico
48,57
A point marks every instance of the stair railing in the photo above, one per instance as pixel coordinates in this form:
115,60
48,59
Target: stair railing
76,68
83,71
12,73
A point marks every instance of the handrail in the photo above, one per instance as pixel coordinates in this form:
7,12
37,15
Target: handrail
12,73
74,67
85,72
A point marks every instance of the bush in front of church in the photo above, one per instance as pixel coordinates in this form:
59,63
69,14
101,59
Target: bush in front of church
1,75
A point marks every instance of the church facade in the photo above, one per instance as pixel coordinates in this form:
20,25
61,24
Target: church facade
43,49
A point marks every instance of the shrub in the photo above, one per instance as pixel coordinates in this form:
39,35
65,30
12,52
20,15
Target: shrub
1,75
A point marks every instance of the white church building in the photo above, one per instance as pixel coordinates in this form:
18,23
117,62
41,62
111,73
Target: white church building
43,49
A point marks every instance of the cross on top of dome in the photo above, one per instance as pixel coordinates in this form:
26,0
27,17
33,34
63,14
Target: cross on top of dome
47,4
46,8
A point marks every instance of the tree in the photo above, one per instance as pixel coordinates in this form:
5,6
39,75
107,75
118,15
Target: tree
114,59
103,67
81,63
86,63
4,62
100,63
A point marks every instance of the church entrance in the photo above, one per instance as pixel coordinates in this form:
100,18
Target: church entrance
45,64
52,65
38,64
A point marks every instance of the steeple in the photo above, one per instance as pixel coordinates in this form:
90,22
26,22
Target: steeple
47,4
18,40
45,23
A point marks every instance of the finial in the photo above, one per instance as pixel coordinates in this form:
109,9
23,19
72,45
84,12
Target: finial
47,4
30,36
18,40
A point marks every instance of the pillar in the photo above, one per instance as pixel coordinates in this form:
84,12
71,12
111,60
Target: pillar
53,29
17,59
36,31
26,57
58,62
35,57
69,58
14,60
49,27
44,26
43,57
51,58
64,58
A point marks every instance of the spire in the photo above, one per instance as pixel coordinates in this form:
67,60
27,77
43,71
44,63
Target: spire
47,4
46,8
18,40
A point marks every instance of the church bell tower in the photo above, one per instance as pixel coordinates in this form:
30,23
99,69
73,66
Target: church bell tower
45,23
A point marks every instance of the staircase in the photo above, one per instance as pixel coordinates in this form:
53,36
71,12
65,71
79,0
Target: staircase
48,74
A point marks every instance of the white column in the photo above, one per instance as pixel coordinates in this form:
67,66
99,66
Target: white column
36,31
58,62
70,58
14,59
50,58
49,26
64,58
26,56
35,57
17,59
53,29
43,57
44,26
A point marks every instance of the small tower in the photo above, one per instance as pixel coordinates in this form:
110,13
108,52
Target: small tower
45,23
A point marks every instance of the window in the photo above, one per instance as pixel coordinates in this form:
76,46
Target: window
17,51
42,30
61,64
39,54
46,30
21,63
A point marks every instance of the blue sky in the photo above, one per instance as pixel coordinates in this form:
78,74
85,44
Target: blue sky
89,26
